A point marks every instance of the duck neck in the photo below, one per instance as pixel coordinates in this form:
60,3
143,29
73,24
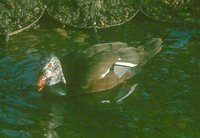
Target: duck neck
4,38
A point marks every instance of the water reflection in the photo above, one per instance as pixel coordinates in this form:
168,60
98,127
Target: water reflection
74,120
16,84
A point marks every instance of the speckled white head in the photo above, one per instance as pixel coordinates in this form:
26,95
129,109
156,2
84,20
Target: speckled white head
52,72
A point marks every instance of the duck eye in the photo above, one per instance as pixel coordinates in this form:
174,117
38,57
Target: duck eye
49,65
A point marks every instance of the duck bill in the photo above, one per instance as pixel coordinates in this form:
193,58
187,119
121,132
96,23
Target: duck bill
40,83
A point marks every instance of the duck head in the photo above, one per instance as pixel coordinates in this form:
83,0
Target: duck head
51,72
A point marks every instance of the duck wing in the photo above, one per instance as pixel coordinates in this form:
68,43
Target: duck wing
112,63
111,66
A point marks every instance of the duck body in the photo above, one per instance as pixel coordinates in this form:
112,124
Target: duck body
100,67
112,63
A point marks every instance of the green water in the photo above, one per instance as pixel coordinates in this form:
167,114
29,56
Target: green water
164,104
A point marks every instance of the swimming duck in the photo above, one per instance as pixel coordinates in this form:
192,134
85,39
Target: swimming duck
104,66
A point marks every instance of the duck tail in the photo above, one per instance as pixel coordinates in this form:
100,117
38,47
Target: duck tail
153,47
150,49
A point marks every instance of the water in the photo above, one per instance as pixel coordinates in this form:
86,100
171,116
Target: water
164,104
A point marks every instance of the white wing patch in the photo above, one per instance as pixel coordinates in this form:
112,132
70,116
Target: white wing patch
120,70
104,74
120,67
126,64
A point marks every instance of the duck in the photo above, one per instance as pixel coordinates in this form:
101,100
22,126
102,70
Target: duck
99,68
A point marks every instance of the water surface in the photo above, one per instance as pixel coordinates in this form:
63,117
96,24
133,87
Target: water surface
164,104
